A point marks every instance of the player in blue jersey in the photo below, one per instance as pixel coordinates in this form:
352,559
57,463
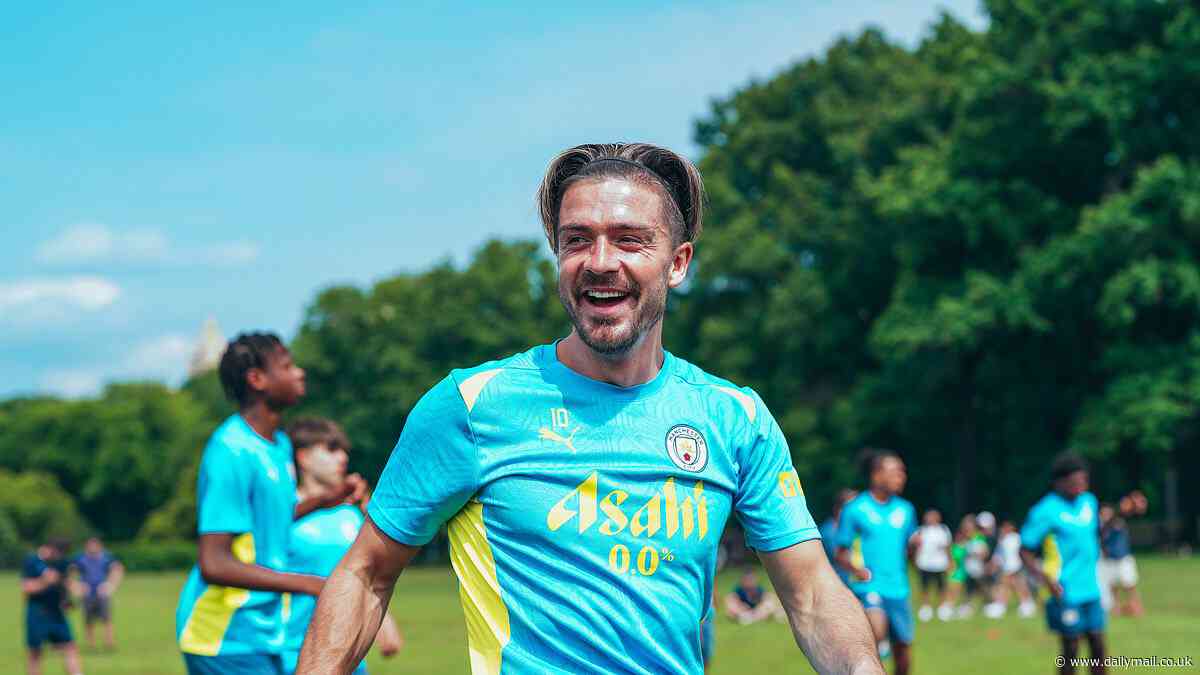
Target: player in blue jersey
229,618
1070,516
875,540
321,538
829,530
585,483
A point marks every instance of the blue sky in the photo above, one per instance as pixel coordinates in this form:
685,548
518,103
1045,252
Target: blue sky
161,164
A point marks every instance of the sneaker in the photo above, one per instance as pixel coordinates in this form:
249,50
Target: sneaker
1027,609
993,610
945,612
965,611
925,613
885,649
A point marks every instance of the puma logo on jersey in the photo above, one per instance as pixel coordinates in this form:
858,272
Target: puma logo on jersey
549,435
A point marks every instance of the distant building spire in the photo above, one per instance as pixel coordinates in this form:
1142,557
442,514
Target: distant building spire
209,349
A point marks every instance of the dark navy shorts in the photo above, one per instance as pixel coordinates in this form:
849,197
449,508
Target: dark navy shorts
898,612
42,625
1074,620
234,664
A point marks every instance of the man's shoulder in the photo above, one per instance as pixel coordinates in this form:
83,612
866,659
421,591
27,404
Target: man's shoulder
233,436
511,375
718,391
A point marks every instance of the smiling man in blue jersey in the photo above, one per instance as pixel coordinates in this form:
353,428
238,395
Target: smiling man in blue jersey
1070,516
321,538
874,542
585,483
230,615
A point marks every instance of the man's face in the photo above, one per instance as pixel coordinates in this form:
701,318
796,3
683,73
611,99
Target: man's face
282,380
891,475
616,262
932,517
1074,484
93,547
326,465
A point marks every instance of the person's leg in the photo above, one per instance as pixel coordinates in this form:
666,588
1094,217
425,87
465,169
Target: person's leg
1096,647
736,609
89,623
33,664
1069,649
71,660
106,615
902,657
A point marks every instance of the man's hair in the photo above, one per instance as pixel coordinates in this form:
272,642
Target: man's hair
244,352
59,543
306,432
1066,464
869,460
674,175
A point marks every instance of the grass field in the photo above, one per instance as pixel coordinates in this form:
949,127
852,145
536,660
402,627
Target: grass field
426,605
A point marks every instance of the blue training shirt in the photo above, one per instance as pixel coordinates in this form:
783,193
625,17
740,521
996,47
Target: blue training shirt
1074,526
318,542
246,487
882,531
584,517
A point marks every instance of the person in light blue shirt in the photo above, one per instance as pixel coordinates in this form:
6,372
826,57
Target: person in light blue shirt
1069,515
585,483
320,539
829,530
874,541
229,619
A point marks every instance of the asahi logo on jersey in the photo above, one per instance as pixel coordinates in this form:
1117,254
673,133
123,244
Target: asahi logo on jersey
671,509
686,448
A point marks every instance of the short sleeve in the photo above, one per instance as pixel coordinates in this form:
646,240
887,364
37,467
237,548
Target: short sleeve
223,491
847,526
770,501
1036,527
32,568
432,472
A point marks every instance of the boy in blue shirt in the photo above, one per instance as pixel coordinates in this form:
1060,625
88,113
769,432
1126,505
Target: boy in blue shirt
1069,514
43,581
229,619
101,574
585,483
321,538
874,541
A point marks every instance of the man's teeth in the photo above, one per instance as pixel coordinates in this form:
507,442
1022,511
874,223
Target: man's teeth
604,295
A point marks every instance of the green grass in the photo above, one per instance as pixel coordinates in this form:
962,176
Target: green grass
426,605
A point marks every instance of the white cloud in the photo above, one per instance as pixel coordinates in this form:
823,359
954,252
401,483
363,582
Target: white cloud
41,298
71,383
162,358
99,243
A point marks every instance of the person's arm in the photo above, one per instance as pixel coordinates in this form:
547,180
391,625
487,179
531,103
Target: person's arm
352,491
1035,568
1033,532
116,573
827,622
35,585
351,608
218,566
389,639
845,562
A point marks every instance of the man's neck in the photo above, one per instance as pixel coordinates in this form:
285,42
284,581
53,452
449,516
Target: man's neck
638,366
880,495
262,419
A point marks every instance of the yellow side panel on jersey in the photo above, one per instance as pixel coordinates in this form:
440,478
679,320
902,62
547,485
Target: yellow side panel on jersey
488,629
856,555
214,609
1051,560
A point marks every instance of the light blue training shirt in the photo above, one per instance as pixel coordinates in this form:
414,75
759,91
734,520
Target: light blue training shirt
584,517
247,488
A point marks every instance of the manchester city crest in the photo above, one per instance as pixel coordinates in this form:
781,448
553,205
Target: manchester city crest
686,448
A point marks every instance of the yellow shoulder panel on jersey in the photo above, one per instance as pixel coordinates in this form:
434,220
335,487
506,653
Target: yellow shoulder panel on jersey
473,385
746,401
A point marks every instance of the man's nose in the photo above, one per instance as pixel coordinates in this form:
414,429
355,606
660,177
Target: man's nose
602,258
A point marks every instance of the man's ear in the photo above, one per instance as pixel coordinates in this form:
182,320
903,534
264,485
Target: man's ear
256,379
680,263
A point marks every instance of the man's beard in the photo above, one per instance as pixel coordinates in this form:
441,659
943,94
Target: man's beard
650,310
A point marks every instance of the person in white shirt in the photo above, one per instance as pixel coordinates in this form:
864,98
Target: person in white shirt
1007,560
933,559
